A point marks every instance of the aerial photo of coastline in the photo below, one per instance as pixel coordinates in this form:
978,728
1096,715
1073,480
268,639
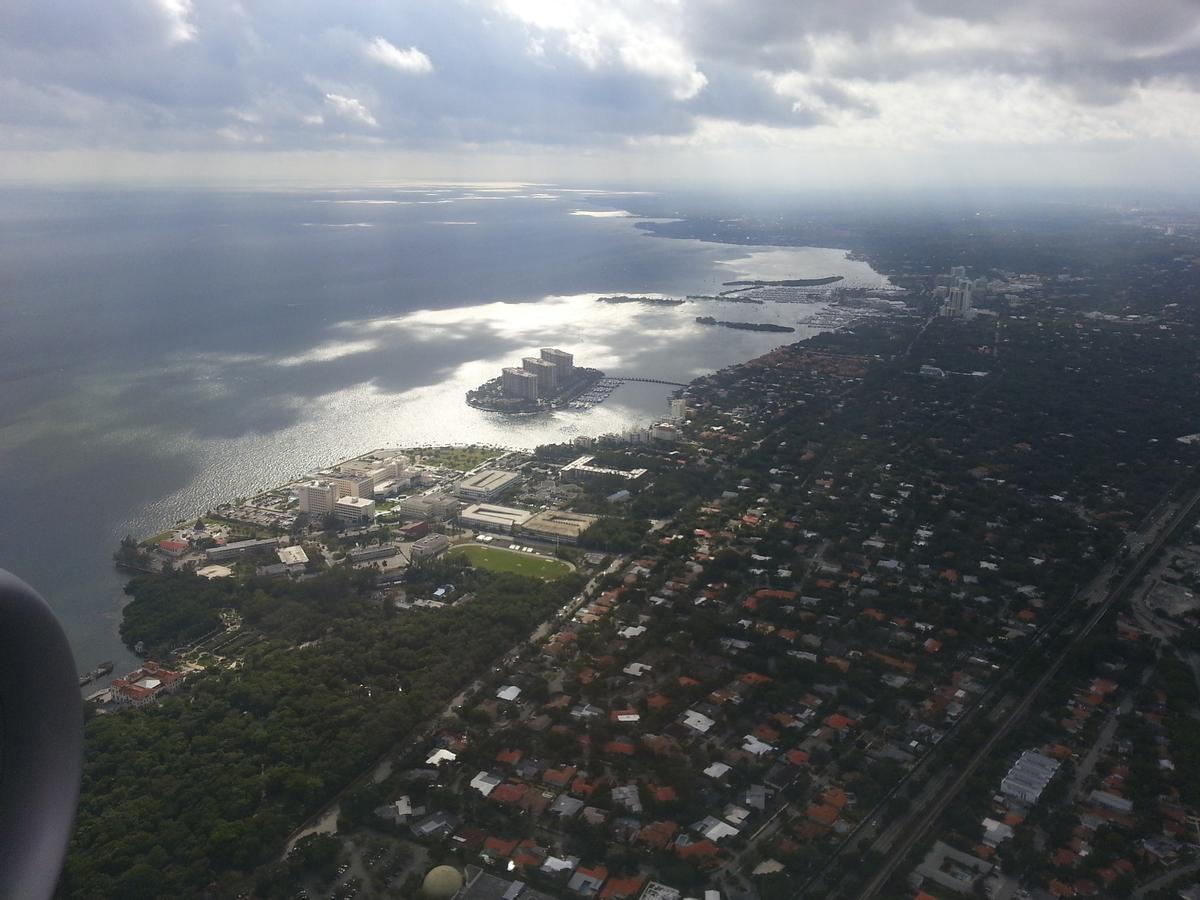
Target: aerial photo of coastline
671,451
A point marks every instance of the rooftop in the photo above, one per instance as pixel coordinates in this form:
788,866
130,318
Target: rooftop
559,523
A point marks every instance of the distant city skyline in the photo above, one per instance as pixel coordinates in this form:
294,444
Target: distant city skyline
771,92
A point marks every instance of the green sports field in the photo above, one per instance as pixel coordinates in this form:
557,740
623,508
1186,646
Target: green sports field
496,559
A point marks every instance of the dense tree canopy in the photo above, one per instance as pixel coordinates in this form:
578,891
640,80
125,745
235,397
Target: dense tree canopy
177,796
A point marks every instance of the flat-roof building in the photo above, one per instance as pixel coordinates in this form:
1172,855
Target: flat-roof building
486,485
429,546
546,372
488,517
352,485
355,510
581,469
428,506
519,383
1029,776
229,551
316,497
364,554
557,525
293,557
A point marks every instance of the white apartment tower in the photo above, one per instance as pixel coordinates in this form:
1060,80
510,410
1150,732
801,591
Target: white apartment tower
563,361
958,305
519,383
546,372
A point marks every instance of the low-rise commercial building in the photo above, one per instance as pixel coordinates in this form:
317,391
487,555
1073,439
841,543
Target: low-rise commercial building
429,546
354,510
487,517
293,557
365,554
557,525
238,548
486,485
436,507
582,469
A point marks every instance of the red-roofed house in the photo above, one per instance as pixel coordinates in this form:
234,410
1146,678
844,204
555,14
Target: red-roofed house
508,793
627,888
146,684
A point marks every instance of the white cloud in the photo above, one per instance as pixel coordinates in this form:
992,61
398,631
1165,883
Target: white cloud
351,109
640,37
178,15
410,60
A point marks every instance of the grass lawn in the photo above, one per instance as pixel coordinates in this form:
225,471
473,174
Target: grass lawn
495,559
460,458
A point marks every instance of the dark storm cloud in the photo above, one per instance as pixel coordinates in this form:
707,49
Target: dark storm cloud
162,74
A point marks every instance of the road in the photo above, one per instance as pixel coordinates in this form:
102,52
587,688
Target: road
1166,878
912,828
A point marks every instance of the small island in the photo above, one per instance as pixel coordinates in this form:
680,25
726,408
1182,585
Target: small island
540,384
789,282
650,301
744,326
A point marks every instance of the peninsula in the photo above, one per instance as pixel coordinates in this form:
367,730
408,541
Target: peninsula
744,326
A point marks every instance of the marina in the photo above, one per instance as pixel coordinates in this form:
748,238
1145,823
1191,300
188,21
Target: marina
99,672
598,393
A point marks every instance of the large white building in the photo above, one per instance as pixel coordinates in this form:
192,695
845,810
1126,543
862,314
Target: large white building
486,485
349,484
316,497
355,510
396,468
488,517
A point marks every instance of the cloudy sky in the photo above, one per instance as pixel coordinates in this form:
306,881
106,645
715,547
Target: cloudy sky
826,93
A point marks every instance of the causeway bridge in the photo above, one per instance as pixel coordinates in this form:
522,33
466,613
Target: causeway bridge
646,380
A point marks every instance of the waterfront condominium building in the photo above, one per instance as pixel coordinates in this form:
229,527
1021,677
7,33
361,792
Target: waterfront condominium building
317,497
519,383
563,361
547,373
